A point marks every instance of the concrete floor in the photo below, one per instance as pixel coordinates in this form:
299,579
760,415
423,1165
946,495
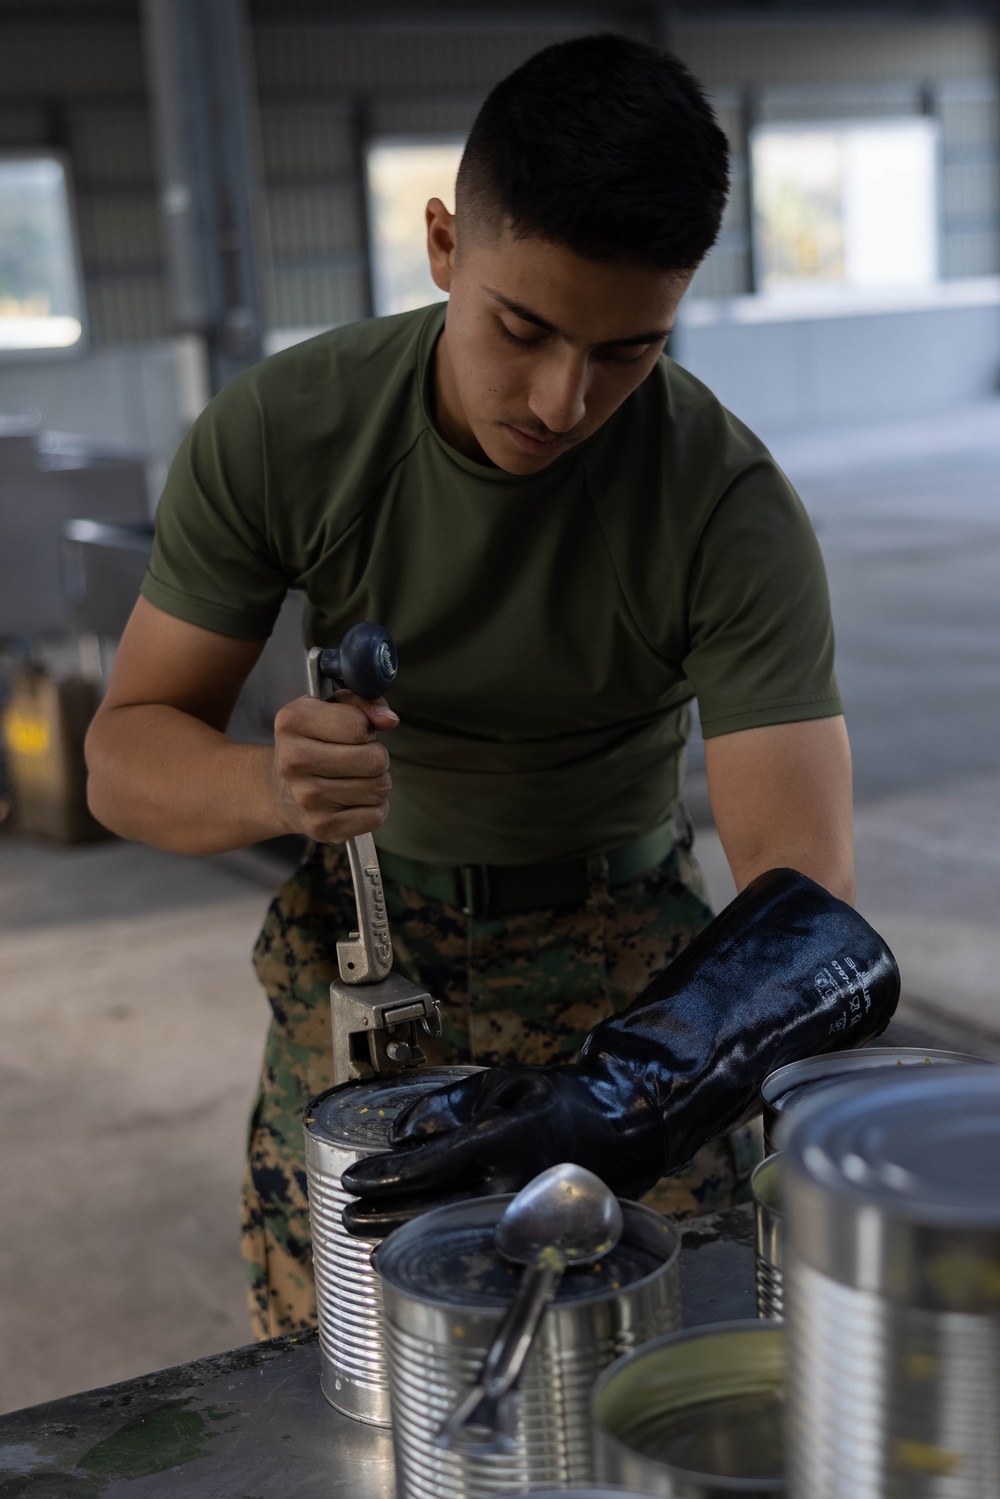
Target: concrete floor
131,1023
131,1027
909,521
913,550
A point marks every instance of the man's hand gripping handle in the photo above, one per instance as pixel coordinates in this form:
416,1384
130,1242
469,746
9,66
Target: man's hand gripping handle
365,662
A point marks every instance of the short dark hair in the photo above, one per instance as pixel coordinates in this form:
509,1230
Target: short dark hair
605,145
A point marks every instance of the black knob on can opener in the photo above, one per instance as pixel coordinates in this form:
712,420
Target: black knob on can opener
364,662
376,1028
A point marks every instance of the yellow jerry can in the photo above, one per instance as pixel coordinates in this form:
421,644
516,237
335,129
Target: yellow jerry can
43,726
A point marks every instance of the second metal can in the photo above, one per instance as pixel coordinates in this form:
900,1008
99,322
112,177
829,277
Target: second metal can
446,1291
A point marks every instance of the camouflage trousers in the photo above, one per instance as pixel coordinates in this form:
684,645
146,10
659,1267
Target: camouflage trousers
526,987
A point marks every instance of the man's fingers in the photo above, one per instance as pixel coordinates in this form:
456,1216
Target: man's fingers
344,720
378,712
300,756
337,827
318,794
419,1169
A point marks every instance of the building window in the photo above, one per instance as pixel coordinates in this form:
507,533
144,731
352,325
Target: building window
402,176
846,206
41,302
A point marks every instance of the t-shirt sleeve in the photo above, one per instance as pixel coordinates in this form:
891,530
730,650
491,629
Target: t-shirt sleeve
213,562
760,631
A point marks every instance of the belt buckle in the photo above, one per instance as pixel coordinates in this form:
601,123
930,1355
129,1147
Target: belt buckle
476,888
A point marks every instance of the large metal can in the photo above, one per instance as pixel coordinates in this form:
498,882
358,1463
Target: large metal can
697,1415
446,1290
798,1083
343,1125
892,1287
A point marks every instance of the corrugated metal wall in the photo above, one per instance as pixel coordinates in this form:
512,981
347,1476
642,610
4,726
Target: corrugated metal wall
310,158
321,89
79,84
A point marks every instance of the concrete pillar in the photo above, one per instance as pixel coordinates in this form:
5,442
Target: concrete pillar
201,85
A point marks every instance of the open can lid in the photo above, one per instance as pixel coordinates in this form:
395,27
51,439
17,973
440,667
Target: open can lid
889,1171
448,1258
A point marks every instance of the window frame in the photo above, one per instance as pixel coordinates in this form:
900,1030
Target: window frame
392,138
82,345
830,293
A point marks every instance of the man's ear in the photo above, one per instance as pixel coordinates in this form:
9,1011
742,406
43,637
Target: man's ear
440,243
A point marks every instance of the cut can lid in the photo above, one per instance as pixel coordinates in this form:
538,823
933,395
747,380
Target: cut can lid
360,1114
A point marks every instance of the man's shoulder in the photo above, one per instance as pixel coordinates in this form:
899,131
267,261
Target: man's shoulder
353,364
702,431
354,384
352,347
676,451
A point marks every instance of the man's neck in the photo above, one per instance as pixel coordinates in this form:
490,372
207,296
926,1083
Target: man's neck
447,413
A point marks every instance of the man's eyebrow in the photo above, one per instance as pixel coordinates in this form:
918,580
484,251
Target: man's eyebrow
526,314
521,311
655,336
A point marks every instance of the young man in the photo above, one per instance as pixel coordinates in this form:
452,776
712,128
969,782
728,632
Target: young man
569,538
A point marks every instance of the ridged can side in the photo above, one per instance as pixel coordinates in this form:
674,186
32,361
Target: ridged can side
889,1399
892,1288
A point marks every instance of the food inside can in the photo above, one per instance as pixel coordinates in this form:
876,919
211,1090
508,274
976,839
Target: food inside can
736,1436
697,1413
464,1268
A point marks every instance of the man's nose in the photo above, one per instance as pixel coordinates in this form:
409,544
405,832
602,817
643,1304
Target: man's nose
559,392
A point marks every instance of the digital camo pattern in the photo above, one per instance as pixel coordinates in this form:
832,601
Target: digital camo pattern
526,988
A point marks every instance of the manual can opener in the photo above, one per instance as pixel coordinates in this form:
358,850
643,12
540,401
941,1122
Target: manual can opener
378,1016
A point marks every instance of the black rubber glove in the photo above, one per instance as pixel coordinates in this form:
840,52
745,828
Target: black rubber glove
785,971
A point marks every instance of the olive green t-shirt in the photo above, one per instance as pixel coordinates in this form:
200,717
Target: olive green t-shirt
552,629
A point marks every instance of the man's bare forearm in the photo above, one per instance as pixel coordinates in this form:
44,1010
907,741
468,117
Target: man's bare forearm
163,777
782,799
830,866
163,770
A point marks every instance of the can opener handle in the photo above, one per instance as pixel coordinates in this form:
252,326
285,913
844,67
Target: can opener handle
378,1016
365,662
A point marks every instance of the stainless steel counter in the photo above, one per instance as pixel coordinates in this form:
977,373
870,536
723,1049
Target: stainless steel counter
252,1424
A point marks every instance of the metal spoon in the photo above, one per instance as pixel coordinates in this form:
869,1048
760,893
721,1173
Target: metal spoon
565,1216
